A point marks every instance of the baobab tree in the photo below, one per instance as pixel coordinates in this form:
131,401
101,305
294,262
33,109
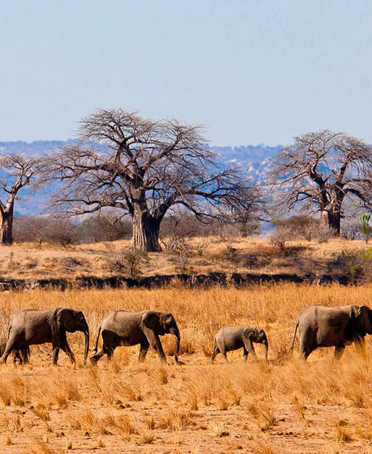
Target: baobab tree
17,171
144,168
320,170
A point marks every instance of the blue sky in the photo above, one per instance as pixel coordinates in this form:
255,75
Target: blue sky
249,71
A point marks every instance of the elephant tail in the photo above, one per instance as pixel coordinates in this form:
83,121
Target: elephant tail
95,350
294,336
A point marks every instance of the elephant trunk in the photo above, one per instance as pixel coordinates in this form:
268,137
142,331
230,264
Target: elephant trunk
176,333
86,351
178,339
266,349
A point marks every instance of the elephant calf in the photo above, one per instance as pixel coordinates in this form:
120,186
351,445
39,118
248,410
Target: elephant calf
132,328
231,338
322,326
30,327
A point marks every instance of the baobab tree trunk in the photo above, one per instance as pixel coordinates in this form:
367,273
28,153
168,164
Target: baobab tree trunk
145,232
332,220
6,228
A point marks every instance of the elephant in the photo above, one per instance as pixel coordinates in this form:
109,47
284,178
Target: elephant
16,353
322,326
231,338
30,327
132,328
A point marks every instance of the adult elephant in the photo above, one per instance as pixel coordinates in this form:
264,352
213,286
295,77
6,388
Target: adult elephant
321,326
132,328
30,327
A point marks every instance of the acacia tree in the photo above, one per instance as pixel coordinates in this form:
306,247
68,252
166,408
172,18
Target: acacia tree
320,170
17,171
145,167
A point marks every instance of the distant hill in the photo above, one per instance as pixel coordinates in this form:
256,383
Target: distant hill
255,160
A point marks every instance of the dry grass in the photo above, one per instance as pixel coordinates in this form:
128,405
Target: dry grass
284,406
258,255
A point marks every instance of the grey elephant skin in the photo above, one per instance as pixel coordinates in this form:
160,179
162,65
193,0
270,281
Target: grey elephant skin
31,327
322,326
132,328
231,338
17,356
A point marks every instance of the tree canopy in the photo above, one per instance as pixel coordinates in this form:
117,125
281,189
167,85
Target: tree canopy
144,167
17,171
319,170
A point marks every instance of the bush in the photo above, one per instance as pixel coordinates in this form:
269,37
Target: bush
356,266
105,227
128,261
45,229
298,227
281,235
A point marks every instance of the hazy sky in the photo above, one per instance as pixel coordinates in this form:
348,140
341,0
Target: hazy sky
250,71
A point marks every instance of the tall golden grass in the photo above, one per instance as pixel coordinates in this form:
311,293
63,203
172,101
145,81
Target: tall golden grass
281,406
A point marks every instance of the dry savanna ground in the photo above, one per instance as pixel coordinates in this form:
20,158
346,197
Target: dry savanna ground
192,255
283,406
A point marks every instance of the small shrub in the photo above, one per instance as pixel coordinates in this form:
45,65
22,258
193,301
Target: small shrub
324,234
128,261
280,237
356,266
181,256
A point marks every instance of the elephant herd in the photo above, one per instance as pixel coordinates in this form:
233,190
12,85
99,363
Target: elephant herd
318,326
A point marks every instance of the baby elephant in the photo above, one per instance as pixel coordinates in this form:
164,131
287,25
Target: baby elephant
234,337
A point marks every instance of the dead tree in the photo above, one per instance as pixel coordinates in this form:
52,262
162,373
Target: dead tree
320,170
17,171
144,167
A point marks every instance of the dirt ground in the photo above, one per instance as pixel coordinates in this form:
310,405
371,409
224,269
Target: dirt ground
283,406
194,408
200,255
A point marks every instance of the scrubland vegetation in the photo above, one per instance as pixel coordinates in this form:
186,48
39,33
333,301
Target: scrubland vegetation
210,254
282,406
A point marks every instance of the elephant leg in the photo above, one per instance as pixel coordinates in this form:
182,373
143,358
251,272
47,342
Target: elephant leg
109,343
223,351
305,352
66,348
245,354
360,346
55,354
339,350
308,342
12,344
215,352
143,351
17,356
97,356
155,343
249,347
109,353
63,344
25,354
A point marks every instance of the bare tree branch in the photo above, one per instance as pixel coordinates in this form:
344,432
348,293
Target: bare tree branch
145,167
320,169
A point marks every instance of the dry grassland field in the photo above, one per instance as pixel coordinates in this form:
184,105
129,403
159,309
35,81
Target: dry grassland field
283,406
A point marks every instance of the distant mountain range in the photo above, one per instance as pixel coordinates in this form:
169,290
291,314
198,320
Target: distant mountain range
255,160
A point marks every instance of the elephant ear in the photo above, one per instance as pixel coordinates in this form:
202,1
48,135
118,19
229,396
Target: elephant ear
55,326
250,333
65,318
151,320
364,318
167,320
